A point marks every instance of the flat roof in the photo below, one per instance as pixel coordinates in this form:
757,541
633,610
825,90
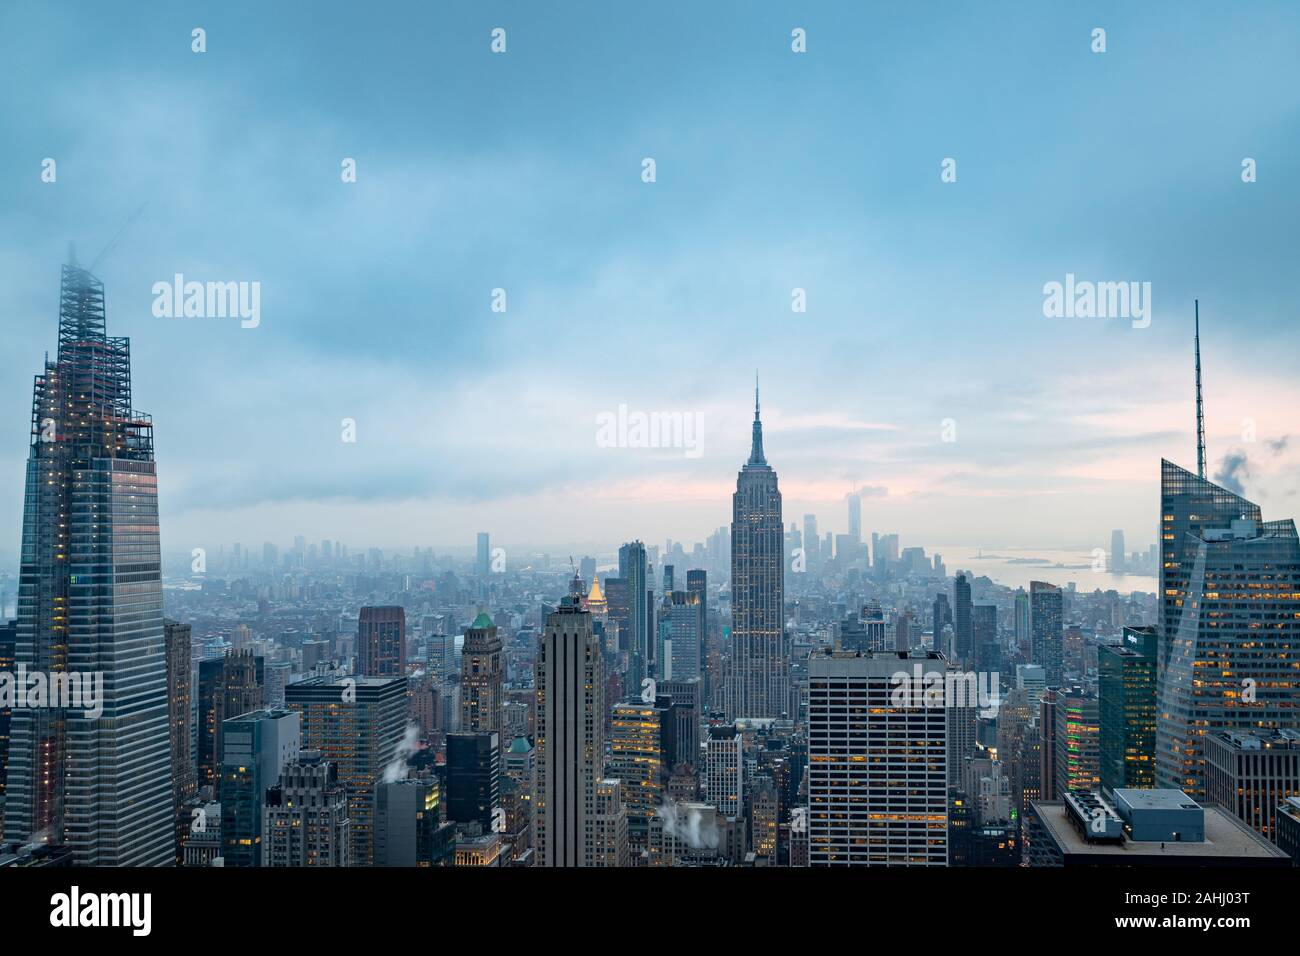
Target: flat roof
1157,799
1226,838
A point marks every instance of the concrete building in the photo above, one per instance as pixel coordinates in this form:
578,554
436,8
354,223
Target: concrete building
877,765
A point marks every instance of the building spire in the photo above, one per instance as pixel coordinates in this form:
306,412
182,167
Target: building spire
1200,409
756,448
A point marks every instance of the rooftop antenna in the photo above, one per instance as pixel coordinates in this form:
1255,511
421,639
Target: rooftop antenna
1200,410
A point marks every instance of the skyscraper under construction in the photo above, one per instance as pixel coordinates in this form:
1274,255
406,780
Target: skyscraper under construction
90,603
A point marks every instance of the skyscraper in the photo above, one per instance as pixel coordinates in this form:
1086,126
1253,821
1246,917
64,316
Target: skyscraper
638,734
357,724
1126,710
985,649
255,747
481,695
90,603
632,570
305,822
381,642
570,746
180,699
483,557
855,518
680,642
1047,630
939,617
758,683
228,686
1229,623
1117,559
473,777
963,635
877,767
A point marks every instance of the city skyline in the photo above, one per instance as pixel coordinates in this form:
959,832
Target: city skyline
388,322
421,558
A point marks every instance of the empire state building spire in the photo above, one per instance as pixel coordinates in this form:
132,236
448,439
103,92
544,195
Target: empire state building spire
756,449
757,681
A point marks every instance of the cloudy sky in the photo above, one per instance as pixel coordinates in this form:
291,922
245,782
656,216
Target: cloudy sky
522,171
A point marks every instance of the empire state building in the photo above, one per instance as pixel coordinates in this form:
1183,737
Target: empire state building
758,681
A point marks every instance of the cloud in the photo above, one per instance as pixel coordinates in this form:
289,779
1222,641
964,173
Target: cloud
1232,468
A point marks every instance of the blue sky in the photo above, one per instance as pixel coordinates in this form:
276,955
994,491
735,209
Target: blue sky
775,170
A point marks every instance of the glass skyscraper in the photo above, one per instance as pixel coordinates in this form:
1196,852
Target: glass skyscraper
1046,630
90,603
1229,623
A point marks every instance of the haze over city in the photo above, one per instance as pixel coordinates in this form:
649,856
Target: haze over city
924,298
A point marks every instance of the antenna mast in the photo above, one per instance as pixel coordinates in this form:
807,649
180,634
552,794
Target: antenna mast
1200,410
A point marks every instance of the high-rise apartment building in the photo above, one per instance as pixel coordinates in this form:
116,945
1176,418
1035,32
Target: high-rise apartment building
90,606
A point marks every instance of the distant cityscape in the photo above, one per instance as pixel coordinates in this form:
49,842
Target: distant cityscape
776,695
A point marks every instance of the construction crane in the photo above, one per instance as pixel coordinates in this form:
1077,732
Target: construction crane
113,242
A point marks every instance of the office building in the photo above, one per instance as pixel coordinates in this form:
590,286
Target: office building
228,686
255,747
609,837
90,603
381,642
637,758
481,676
305,822
1047,630
1252,775
1126,710
357,723
758,682
1230,623
877,770
473,778
570,742
408,825
963,632
1142,828
1076,738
